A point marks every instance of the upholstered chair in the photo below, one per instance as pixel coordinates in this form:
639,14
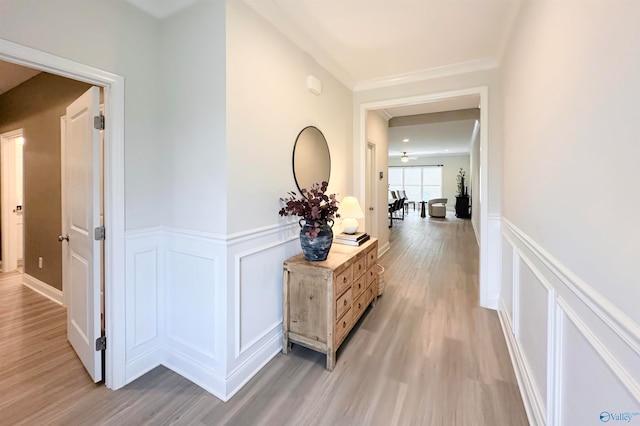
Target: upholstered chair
438,207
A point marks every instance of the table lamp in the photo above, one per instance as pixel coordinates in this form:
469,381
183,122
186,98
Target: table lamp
350,212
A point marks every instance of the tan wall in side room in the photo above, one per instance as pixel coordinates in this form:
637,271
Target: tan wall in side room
36,106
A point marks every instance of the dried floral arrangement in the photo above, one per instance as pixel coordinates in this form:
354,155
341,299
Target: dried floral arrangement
316,207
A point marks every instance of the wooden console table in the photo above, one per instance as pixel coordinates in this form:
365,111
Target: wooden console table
322,301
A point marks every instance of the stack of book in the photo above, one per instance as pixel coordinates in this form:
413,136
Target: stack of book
351,239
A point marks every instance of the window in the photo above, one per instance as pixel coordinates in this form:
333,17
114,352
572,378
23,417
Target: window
421,183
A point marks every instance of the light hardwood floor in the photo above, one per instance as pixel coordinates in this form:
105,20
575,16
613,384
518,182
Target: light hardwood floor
425,355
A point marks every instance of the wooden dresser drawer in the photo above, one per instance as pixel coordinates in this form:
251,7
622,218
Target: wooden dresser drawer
358,286
372,273
343,281
342,328
359,266
343,303
372,256
372,290
360,305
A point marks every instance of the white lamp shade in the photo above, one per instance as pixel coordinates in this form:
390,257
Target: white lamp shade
350,211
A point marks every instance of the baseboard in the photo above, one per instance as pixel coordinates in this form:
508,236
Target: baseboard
197,372
241,375
143,364
382,250
43,288
532,402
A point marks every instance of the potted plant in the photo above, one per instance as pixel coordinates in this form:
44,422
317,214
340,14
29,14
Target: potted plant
460,181
317,211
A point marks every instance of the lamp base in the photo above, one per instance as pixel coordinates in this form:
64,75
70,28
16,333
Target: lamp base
350,225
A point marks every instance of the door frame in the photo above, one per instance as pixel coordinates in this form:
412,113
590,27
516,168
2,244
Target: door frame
114,256
9,236
487,299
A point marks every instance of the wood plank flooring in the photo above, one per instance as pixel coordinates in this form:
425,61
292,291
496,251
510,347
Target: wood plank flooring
425,355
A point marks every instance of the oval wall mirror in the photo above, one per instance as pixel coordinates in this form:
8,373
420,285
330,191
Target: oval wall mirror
311,159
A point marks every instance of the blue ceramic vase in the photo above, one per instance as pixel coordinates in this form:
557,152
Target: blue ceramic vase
317,249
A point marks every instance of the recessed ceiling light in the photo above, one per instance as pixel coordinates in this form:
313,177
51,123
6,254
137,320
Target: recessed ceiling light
446,150
405,140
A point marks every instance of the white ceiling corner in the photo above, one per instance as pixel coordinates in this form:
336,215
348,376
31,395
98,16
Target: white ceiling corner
382,42
161,8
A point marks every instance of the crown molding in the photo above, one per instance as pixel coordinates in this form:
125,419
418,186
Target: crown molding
427,74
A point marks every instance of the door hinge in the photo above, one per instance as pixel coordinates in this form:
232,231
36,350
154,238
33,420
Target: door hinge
98,233
98,122
101,343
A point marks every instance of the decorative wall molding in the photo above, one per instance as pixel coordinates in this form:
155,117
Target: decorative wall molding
427,74
531,398
593,316
239,348
616,368
43,288
490,292
618,321
254,363
179,266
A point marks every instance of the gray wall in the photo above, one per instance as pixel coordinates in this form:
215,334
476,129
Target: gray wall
36,106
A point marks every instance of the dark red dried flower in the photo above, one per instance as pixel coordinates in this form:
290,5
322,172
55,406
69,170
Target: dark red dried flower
315,207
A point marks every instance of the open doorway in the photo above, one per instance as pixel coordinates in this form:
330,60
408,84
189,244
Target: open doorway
114,271
488,294
11,204
62,196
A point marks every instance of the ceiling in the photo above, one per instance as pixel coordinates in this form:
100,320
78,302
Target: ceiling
443,138
375,43
447,138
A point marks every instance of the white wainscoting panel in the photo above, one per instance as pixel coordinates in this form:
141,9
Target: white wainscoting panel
142,298
490,295
195,307
191,296
256,274
576,356
507,278
206,306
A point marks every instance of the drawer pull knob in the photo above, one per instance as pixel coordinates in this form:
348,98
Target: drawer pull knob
359,267
359,305
344,324
345,302
311,297
344,280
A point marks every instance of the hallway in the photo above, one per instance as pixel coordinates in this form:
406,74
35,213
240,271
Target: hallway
425,355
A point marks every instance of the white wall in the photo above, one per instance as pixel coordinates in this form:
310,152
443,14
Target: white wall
193,73
268,104
451,167
570,295
378,133
116,37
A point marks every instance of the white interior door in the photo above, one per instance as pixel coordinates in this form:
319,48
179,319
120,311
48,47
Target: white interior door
11,146
81,197
19,200
371,191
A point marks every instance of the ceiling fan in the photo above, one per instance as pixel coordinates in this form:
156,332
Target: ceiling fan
405,158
